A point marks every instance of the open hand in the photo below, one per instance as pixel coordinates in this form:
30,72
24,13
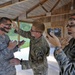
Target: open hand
12,45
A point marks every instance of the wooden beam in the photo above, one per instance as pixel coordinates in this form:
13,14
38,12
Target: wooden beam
72,4
36,16
18,23
26,21
55,5
49,18
14,1
40,3
43,1
9,3
44,8
62,10
44,19
5,4
17,18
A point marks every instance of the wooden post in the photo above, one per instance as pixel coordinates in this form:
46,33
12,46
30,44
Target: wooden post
18,23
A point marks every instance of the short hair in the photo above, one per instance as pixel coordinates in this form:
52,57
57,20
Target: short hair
4,19
39,26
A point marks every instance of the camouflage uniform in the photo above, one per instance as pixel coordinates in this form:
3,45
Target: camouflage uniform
67,62
39,50
5,56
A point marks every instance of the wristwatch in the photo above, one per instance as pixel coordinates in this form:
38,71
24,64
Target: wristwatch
57,48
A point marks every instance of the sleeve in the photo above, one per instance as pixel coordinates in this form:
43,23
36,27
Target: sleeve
46,47
61,58
67,66
23,33
4,52
72,52
15,49
47,50
70,68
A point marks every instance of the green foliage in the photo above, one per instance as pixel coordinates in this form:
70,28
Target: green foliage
25,26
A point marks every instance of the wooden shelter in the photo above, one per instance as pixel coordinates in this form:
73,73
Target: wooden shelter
53,13
30,10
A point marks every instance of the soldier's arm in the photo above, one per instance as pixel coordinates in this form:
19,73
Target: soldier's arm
23,33
47,50
64,61
61,58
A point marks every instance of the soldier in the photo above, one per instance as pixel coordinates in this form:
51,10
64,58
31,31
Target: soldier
7,48
39,49
65,57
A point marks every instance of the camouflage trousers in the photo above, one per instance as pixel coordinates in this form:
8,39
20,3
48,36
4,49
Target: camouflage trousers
40,71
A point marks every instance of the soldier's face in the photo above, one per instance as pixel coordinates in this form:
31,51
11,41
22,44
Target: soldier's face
35,33
71,26
6,26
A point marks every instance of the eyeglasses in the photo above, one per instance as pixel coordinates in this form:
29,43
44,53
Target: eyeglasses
71,18
70,26
35,31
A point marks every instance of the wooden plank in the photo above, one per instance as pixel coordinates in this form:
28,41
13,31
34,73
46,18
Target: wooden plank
5,4
55,5
14,1
9,3
43,1
36,16
44,8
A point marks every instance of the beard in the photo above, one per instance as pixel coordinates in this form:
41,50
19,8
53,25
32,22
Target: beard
69,33
4,29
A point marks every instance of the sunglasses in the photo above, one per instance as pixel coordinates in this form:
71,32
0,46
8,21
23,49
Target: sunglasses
71,18
70,26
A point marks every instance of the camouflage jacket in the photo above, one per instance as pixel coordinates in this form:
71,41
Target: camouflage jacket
5,56
70,49
66,67
67,61
39,50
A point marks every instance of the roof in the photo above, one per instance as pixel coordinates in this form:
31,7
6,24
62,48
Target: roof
30,10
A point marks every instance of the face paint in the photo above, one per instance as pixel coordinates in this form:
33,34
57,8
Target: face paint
2,29
6,28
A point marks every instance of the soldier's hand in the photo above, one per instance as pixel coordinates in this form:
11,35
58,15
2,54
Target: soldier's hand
12,45
14,25
53,40
15,61
20,43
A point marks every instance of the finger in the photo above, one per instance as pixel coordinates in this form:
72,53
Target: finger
15,41
52,34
